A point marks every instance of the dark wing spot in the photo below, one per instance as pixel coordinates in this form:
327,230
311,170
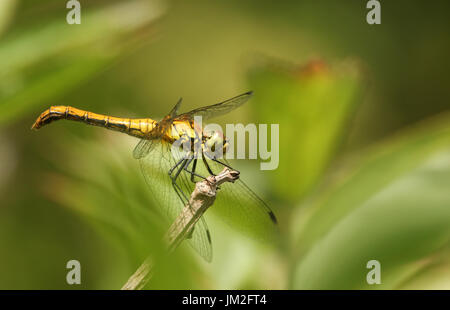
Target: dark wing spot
208,235
272,217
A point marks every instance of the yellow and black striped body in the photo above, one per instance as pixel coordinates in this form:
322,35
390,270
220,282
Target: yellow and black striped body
137,127
169,130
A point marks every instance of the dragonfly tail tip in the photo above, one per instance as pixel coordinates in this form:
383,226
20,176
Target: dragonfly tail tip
35,126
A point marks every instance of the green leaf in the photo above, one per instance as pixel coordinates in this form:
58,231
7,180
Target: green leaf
393,208
312,105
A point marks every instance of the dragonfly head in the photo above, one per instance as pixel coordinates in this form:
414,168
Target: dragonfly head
215,143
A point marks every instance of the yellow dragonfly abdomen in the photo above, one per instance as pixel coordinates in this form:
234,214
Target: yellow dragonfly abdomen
137,127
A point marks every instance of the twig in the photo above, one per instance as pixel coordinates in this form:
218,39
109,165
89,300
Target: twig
201,199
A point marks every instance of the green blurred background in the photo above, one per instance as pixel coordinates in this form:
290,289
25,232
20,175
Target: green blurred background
364,168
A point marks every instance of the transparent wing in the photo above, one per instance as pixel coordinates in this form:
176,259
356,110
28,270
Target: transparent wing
175,109
142,148
217,109
240,207
156,160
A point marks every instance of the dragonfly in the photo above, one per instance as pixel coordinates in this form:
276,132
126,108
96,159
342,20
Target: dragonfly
171,176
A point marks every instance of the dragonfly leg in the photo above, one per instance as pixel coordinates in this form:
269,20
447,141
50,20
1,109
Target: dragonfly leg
223,164
207,166
176,165
192,172
182,164
174,178
194,166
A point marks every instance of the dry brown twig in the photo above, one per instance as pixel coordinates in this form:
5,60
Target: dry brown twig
201,199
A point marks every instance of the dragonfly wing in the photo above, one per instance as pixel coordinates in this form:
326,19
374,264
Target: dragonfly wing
217,109
175,109
240,207
201,240
201,237
156,160
142,149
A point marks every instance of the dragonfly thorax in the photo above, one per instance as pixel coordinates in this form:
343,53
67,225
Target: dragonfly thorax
214,142
196,140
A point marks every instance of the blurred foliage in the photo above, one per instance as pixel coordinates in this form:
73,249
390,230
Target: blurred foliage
118,204
6,12
349,187
392,206
315,105
63,56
